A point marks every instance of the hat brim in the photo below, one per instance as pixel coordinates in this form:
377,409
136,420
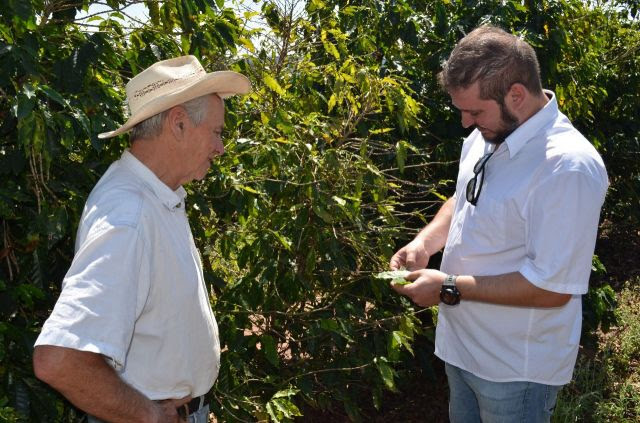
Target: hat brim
223,83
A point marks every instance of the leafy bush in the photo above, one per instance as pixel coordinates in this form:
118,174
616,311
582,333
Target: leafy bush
606,376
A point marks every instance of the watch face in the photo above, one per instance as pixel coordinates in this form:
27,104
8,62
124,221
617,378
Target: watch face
450,295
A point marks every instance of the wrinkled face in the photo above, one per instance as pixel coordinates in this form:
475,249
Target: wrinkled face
494,121
203,142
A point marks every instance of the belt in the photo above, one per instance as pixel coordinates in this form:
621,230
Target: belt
192,406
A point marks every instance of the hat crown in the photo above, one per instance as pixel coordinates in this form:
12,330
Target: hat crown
162,78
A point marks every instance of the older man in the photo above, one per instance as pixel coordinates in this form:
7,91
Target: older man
132,337
518,237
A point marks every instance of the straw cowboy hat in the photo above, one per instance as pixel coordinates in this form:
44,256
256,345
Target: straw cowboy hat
175,81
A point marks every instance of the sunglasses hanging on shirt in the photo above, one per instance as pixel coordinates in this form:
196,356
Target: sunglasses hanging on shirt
474,186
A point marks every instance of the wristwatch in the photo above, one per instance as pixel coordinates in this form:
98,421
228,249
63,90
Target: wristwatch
449,293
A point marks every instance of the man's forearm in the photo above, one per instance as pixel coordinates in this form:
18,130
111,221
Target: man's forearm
87,381
434,235
508,289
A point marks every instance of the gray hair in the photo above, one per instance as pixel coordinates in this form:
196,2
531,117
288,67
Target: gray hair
151,127
494,58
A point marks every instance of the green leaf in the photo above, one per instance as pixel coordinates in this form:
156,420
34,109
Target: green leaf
400,339
117,15
380,131
332,102
24,106
282,408
273,84
154,11
341,202
83,120
6,34
285,393
249,189
53,95
247,43
287,408
29,90
186,15
330,325
329,46
26,130
26,294
437,194
270,350
271,14
401,154
387,373
227,32
203,5
322,213
314,5
95,19
350,10
597,267
396,276
283,240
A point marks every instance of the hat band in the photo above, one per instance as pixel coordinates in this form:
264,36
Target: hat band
138,95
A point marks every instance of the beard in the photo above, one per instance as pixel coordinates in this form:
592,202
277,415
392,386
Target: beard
508,124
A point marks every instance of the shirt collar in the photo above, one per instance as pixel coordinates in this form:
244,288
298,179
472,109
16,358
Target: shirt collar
532,126
173,200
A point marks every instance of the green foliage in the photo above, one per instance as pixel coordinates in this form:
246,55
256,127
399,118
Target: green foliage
605,385
58,91
599,307
304,212
344,148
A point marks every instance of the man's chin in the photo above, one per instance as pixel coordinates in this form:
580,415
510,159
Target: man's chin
491,137
496,138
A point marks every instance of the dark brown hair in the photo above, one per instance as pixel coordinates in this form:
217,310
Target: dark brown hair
494,58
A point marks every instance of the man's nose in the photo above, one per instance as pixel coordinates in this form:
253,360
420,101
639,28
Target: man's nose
467,120
218,147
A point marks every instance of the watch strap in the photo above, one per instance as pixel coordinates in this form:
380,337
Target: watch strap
450,280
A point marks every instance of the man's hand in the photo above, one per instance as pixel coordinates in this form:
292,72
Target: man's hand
425,288
92,385
415,255
167,410
412,256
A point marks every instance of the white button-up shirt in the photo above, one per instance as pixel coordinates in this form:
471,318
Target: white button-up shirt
538,215
135,290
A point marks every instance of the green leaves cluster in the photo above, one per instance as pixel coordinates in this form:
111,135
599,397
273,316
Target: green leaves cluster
299,213
344,148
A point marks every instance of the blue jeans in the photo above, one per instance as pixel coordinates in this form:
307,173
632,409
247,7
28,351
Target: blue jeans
474,400
200,416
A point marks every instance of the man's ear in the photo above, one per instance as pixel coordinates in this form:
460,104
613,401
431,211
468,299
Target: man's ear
516,96
176,121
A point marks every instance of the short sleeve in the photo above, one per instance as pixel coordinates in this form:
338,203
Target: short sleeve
562,216
102,295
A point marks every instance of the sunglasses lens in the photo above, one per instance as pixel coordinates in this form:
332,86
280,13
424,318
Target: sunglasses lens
471,190
478,169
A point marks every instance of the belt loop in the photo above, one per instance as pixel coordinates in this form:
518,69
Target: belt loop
201,402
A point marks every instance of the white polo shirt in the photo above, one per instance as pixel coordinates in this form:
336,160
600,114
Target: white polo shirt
538,215
135,290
